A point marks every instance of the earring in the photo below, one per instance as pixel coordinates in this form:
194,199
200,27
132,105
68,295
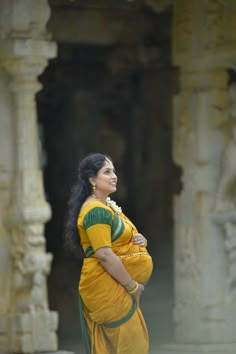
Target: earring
94,187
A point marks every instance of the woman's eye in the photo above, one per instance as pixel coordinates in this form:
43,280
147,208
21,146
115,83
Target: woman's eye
110,172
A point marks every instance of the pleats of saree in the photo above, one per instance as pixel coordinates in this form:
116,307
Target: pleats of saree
126,336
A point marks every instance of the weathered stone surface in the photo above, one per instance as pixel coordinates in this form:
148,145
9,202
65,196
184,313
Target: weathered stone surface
26,323
205,310
203,146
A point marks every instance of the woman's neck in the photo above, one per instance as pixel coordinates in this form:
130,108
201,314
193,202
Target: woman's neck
101,199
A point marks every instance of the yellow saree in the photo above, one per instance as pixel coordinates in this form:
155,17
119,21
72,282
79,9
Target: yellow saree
111,319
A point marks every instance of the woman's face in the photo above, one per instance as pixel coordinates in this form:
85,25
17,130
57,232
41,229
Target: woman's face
106,179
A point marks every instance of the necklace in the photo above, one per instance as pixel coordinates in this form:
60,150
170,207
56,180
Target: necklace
109,202
112,204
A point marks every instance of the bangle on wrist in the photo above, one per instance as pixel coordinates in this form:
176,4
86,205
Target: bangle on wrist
131,285
134,289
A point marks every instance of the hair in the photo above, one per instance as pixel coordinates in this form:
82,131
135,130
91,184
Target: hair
88,167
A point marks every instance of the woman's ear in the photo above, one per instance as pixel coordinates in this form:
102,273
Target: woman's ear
91,180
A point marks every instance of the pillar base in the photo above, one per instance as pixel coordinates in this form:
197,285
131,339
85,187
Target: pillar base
197,349
33,331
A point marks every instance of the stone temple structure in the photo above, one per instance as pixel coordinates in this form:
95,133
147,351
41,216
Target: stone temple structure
151,82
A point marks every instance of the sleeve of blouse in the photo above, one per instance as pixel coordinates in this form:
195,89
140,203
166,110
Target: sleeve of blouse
97,223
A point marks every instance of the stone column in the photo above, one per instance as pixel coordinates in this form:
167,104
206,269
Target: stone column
205,319
26,324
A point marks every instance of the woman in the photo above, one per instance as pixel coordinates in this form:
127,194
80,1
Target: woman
116,264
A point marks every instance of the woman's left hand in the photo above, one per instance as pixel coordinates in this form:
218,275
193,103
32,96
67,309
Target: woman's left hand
140,240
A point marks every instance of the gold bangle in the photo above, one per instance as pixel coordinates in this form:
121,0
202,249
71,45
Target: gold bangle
129,283
130,286
134,290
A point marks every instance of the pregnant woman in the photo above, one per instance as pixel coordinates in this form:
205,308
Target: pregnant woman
116,264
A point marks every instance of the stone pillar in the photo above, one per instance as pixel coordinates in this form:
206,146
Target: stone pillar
205,318
26,324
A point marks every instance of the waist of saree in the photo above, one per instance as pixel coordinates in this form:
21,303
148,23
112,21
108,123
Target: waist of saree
133,254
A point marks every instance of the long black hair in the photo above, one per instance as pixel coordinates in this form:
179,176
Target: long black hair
88,167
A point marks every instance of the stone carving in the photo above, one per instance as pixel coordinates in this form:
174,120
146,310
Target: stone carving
31,266
225,199
230,248
214,21
215,34
183,129
31,270
225,206
33,22
186,264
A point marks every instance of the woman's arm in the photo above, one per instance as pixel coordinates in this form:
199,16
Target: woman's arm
113,265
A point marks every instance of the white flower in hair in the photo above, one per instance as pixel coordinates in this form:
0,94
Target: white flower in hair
112,204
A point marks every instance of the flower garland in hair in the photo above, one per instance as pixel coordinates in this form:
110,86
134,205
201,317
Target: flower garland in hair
112,204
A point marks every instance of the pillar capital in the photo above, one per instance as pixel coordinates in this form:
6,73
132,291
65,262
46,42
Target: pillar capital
23,73
24,19
203,33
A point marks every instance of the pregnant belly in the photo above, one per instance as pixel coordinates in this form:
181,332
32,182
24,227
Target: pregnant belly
139,266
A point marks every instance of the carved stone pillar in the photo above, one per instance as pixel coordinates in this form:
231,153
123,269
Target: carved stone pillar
204,318
26,324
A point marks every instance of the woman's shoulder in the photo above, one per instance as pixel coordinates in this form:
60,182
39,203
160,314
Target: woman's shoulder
88,205
95,212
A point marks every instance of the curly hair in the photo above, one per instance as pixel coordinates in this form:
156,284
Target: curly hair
88,167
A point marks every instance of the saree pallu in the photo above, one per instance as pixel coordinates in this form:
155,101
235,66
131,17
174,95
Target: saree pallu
111,319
